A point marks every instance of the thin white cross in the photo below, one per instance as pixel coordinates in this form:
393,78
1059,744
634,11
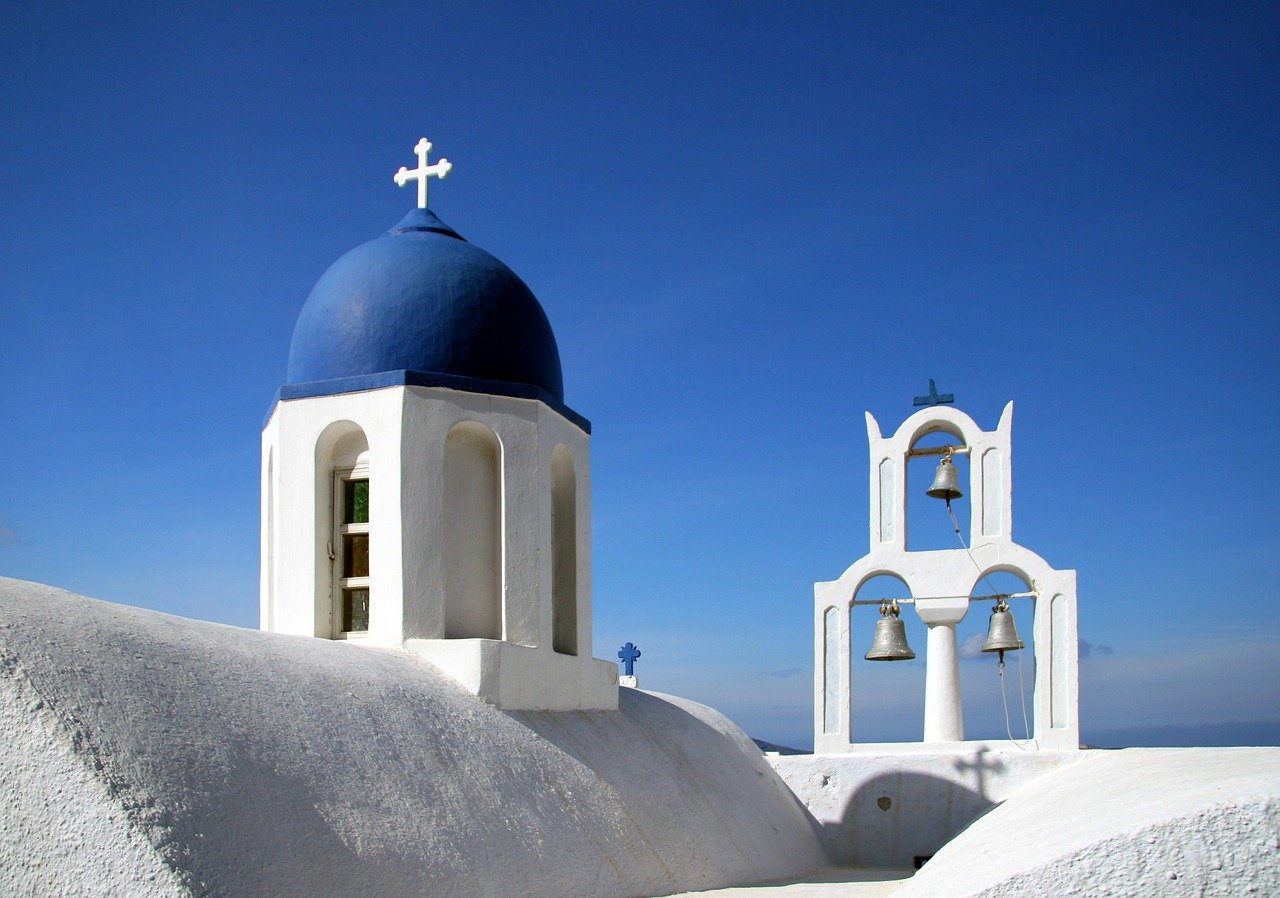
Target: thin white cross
423,171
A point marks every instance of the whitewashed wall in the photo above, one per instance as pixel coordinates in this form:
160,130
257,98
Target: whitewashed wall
885,806
422,508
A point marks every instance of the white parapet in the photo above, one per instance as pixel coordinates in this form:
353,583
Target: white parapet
520,678
888,805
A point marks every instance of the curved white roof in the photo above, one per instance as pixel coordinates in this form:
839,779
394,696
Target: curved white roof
190,755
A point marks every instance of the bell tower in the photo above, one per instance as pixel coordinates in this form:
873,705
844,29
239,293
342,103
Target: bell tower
944,584
424,485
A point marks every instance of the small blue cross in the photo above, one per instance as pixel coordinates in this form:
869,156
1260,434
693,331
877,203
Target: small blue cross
629,654
934,397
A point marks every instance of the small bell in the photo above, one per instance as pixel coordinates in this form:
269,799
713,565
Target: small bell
1002,635
946,482
890,641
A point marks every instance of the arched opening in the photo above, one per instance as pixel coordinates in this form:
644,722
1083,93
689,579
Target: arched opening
564,553
928,525
473,582
985,696
343,528
886,699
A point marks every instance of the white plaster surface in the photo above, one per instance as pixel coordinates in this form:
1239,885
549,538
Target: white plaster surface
933,793
165,755
516,677
63,831
1136,822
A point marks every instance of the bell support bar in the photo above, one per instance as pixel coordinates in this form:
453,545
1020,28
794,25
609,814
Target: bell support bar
938,450
993,597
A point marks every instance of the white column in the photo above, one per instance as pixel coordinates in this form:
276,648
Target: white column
943,712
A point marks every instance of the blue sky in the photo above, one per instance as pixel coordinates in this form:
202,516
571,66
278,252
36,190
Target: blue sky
748,223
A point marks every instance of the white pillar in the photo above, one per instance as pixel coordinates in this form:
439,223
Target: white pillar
943,712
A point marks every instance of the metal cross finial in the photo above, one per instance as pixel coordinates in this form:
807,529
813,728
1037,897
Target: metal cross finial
629,654
934,397
423,171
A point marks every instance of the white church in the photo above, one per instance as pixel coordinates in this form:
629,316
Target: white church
419,712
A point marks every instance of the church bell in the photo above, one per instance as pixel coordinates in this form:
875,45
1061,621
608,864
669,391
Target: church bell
890,641
946,482
1002,635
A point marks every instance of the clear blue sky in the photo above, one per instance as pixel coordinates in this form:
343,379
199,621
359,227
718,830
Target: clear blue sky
748,224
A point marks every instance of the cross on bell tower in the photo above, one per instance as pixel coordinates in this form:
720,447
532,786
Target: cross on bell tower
423,171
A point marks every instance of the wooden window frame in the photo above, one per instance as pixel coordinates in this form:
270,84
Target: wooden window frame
339,529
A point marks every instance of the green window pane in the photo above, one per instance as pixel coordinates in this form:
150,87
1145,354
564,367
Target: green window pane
355,501
355,610
355,555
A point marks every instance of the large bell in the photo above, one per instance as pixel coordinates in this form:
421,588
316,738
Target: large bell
946,482
890,641
1002,635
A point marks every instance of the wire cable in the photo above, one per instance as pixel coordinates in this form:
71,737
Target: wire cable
955,525
1022,689
1008,728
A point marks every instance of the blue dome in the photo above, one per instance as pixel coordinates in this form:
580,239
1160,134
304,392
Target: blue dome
420,298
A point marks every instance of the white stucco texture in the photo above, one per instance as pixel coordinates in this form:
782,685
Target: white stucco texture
1136,822
146,754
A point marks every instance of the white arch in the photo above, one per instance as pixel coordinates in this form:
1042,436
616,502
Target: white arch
341,450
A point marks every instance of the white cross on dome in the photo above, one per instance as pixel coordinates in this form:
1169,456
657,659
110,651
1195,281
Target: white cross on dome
423,171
